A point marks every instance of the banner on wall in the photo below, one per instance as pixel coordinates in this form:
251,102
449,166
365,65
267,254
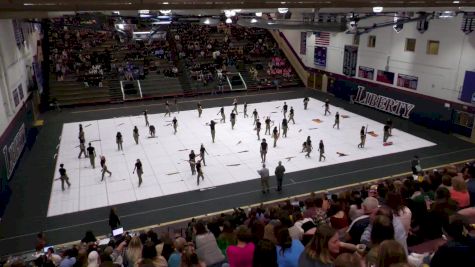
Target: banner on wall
366,73
320,56
38,74
303,43
385,77
12,152
468,88
384,103
407,81
350,58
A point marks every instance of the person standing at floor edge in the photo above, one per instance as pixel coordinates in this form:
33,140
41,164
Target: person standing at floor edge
305,103
138,168
279,175
264,173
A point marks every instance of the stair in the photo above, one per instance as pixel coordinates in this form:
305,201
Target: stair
115,91
184,78
70,93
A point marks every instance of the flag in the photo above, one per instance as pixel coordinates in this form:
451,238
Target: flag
322,38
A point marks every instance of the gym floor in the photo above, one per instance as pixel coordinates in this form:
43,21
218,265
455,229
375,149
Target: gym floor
26,214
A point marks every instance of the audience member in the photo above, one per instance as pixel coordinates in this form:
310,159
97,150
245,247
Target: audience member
321,250
390,253
206,246
459,192
288,249
241,254
460,247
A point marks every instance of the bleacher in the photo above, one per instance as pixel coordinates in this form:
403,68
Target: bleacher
71,93
266,221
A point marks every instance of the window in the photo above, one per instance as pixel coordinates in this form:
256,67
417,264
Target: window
410,45
372,41
432,47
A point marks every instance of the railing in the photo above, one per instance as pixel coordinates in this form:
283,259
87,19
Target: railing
122,89
140,88
299,69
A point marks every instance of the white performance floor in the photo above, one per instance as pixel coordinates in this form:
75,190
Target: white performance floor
234,157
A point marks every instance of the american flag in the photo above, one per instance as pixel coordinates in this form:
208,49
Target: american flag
322,38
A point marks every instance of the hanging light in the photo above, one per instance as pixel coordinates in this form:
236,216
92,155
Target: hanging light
229,13
253,20
447,15
229,20
282,10
165,12
377,9
258,14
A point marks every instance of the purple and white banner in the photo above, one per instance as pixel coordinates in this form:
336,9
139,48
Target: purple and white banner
320,56
303,43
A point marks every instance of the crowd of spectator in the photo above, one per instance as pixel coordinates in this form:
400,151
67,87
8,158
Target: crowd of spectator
375,225
72,43
78,51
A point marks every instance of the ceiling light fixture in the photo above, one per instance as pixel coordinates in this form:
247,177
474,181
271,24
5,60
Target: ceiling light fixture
456,2
229,20
447,15
253,20
282,10
377,9
166,11
144,11
165,3
229,13
258,14
207,22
